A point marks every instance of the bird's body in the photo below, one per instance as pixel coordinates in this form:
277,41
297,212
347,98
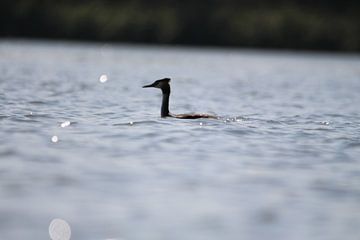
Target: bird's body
192,115
164,85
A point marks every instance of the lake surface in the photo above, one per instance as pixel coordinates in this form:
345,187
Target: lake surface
281,162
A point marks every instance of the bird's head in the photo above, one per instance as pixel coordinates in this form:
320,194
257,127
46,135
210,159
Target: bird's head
161,83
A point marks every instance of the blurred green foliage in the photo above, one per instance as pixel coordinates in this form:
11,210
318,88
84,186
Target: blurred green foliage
295,24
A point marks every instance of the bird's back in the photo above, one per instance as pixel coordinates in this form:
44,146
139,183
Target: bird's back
192,116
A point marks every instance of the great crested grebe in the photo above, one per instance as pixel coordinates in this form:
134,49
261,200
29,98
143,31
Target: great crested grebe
164,85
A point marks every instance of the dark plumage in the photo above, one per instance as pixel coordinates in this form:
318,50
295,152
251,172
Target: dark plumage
164,85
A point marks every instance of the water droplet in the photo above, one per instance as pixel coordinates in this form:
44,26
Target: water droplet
103,78
54,139
59,230
65,124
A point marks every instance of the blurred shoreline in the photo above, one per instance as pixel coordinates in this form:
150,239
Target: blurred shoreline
292,24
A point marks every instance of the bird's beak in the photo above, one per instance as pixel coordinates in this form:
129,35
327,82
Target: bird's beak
150,85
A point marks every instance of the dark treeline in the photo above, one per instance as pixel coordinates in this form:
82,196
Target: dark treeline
295,24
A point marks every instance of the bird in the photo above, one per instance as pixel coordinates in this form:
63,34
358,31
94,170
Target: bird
164,85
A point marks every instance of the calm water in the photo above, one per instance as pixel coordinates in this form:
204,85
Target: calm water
282,162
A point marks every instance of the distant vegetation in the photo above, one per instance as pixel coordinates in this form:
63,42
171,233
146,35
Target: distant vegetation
295,24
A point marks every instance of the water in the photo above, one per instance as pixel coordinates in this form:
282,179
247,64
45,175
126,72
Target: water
82,141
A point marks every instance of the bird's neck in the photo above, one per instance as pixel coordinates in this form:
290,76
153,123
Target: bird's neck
165,103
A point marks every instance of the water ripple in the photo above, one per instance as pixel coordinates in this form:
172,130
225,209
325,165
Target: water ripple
284,134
